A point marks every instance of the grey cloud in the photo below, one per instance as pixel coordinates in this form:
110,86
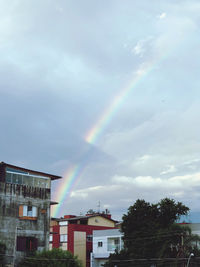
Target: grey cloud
62,64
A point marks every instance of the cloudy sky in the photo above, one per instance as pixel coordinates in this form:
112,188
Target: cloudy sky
63,64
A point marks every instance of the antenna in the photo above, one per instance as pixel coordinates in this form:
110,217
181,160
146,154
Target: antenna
99,206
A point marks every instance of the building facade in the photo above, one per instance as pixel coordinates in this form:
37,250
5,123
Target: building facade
74,233
24,211
105,242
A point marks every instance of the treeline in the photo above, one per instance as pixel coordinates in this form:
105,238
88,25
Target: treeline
152,237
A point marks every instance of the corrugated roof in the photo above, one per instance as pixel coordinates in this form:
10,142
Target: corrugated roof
51,176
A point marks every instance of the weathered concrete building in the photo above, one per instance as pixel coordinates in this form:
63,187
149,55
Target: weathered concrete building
24,210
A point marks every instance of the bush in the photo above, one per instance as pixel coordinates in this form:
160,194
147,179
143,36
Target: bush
51,258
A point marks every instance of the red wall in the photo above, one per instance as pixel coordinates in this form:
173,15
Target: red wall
56,236
88,229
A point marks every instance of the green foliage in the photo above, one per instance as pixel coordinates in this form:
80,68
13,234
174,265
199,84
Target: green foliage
151,232
51,258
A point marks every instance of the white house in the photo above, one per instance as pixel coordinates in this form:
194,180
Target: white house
105,242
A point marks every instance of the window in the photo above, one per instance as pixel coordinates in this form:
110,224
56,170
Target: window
100,244
27,211
26,243
63,238
18,177
51,238
116,241
62,223
113,244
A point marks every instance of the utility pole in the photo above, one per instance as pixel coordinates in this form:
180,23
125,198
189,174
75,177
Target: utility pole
182,247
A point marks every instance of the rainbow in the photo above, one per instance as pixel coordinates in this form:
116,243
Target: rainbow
73,174
65,186
94,133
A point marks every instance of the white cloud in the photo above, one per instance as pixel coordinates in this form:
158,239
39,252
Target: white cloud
58,72
169,169
172,183
91,191
143,46
138,49
142,159
162,15
122,191
192,161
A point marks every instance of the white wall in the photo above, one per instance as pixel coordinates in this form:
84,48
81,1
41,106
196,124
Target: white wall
101,253
104,239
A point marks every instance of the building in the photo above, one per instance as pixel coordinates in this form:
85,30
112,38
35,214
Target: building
24,210
105,242
74,233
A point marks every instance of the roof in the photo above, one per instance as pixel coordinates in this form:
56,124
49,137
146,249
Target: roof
51,176
108,232
86,217
53,203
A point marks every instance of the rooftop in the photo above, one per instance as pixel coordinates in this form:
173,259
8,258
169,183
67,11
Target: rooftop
51,176
85,217
109,232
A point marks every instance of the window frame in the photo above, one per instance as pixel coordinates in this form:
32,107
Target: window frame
28,212
26,243
100,244
63,238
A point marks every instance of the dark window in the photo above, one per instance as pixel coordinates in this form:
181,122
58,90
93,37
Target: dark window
116,241
31,243
83,222
21,243
26,243
8,177
29,211
100,244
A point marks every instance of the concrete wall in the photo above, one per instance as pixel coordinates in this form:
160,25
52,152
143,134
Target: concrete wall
101,253
11,197
100,221
80,246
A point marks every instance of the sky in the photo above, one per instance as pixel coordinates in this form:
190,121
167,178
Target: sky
106,94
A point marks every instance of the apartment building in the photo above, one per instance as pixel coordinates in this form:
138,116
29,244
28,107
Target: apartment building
74,233
24,211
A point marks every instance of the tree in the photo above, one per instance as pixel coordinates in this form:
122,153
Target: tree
151,232
51,258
